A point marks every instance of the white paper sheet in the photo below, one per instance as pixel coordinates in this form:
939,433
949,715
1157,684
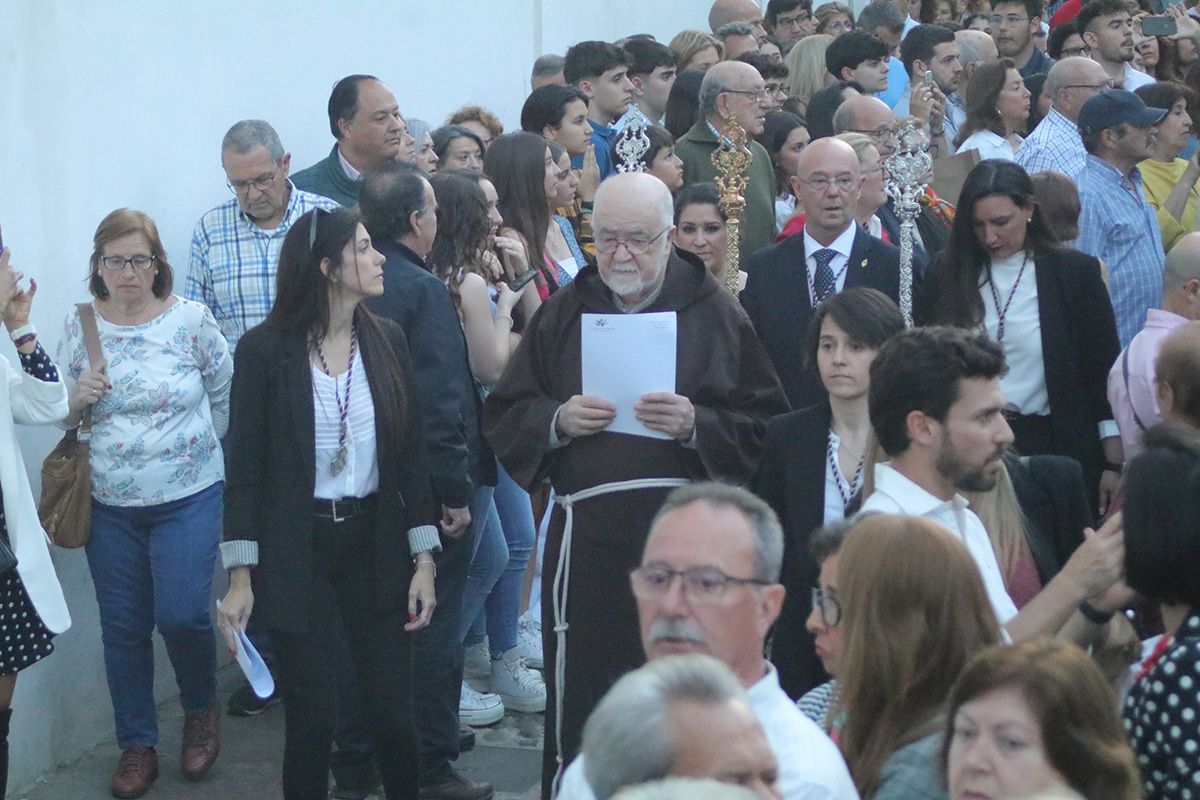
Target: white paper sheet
626,356
253,667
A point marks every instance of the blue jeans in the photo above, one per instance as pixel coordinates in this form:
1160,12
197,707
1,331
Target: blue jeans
153,567
503,605
490,556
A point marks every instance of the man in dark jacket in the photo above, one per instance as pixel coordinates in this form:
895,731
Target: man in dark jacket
400,213
370,130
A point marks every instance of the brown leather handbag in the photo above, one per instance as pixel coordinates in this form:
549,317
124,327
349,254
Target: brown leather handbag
65,509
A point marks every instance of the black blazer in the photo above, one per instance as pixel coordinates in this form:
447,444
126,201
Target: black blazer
776,299
270,474
1079,347
791,478
459,457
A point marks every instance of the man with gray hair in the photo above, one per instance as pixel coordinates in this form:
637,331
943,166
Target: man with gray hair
235,246
974,48
683,716
1054,145
725,546
548,71
737,38
733,90
608,485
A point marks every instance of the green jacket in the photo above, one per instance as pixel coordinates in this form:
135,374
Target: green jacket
695,149
328,179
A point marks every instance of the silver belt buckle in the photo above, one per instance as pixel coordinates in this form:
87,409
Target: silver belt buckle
337,518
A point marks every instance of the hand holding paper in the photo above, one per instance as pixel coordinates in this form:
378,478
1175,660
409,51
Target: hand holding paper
670,413
584,415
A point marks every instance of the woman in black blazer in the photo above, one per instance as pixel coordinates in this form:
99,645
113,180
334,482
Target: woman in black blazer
1047,306
813,459
328,508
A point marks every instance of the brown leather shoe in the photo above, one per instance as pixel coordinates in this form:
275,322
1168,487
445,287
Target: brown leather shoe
201,742
136,770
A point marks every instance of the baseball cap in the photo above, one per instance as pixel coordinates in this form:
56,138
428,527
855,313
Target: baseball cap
1115,106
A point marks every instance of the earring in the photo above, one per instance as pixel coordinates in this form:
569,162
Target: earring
1029,220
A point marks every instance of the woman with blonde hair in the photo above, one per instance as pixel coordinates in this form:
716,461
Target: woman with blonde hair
1035,718
696,50
807,73
914,614
834,18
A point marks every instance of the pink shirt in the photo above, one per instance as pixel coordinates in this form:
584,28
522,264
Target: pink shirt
1140,395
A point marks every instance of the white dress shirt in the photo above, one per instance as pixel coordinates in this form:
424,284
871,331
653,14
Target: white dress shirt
810,765
1025,383
835,504
1135,78
842,245
896,494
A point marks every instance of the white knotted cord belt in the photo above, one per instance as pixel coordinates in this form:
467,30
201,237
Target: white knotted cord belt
562,582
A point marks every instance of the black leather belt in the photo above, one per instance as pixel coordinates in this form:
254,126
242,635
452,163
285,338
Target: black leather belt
344,508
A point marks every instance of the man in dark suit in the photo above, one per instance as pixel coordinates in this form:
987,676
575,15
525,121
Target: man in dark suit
787,280
400,213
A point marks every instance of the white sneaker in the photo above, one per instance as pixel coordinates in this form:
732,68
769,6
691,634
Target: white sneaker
529,640
521,688
477,667
477,710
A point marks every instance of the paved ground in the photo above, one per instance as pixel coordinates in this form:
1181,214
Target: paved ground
508,755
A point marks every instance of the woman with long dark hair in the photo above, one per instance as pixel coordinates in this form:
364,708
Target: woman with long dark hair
525,175
328,499
1046,305
485,306
997,109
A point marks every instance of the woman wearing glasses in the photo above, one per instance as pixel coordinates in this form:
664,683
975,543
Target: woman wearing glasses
159,405
813,460
329,501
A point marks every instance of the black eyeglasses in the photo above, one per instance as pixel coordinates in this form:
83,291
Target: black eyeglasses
262,183
700,584
140,263
828,608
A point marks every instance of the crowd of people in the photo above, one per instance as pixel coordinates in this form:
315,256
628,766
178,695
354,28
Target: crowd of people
956,560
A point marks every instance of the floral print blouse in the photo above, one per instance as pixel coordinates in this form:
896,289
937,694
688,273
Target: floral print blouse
155,434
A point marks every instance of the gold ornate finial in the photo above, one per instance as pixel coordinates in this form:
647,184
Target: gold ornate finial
732,158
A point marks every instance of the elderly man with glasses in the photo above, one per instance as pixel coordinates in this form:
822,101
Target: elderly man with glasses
608,485
708,583
1054,145
733,91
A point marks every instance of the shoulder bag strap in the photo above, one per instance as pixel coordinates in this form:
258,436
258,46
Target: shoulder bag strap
1125,375
91,338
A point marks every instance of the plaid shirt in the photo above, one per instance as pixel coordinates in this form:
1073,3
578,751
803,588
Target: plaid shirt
1119,227
1053,146
233,261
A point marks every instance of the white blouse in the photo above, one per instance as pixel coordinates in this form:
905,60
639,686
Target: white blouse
836,483
155,433
989,145
360,476
1025,384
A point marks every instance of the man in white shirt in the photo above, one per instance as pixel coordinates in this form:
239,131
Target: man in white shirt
1107,28
938,412
709,583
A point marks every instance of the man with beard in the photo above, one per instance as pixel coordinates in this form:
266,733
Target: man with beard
609,485
1107,28
938,412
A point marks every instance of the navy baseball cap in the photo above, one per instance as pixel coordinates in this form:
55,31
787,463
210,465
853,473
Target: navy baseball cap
1115,106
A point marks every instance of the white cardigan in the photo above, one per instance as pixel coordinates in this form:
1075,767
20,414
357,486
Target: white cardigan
25,399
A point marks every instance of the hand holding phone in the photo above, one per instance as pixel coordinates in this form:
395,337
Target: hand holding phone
521,281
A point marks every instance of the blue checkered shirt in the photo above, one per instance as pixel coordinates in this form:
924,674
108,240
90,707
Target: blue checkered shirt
233,261
1120,228
1053,146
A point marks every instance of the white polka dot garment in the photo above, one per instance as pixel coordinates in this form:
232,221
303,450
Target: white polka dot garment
1162,718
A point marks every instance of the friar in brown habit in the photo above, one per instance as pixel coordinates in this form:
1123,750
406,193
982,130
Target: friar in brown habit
540,425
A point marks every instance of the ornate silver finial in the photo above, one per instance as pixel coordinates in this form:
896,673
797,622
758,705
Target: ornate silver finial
632,144
907,168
